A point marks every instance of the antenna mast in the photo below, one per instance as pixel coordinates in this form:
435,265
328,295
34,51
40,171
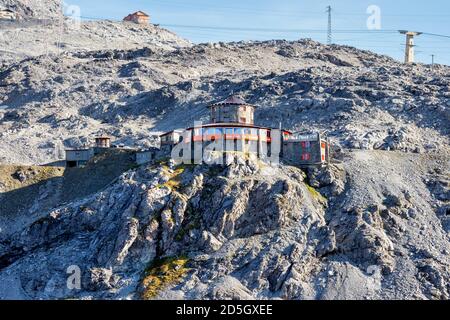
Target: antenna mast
409,46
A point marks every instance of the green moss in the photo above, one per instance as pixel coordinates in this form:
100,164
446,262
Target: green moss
316,195
174,182
162,161
163,273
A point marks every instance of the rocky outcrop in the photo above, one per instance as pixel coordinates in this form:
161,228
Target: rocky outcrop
247,230
114,235
27,9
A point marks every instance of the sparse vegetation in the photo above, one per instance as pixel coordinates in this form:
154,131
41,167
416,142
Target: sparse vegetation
174,182
316,194
32,174
163,273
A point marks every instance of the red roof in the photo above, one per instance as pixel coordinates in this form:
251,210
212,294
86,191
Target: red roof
140,13
136,14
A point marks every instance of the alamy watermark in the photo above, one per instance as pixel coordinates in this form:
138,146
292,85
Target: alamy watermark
74,277
374,19
73,16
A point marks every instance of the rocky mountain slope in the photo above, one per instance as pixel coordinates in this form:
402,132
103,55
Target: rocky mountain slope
362,99
244,231
29,9
373,225
44,38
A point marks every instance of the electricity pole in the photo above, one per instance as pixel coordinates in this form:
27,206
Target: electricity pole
329,25
432,61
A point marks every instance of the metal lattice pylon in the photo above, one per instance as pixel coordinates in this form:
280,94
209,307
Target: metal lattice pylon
329,35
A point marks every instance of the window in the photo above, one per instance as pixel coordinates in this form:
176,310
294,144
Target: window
238,131
254,132
229,131
71,164
243,120
219,131
306,144
247,131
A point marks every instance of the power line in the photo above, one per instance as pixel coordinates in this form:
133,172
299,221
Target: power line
276,30
436,35
253,10
425,15
328,31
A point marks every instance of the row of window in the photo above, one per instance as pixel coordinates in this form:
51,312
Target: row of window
306,144
227,131
220,131
307,157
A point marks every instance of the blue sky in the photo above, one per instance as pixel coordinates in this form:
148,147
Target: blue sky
267,17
